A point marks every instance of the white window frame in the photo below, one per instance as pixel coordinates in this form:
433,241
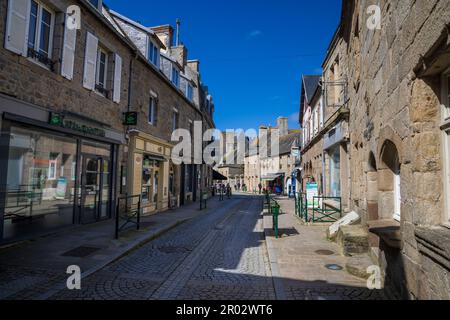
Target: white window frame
53,163
152,110
316,120
445,112
39,29
100,50
153,56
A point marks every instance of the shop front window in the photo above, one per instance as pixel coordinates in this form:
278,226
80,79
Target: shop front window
37,184
150,180
335,172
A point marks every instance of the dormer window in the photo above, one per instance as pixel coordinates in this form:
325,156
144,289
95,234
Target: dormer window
189,91
153,53
175,76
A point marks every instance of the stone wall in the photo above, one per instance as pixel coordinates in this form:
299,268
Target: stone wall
30,82
27,81
252,172
388,104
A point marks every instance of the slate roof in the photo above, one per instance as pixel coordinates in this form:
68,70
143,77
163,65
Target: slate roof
287,141
285,146
310,84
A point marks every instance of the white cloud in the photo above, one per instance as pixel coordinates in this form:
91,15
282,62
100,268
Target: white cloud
254,34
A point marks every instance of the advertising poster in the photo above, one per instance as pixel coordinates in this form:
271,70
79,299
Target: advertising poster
312,190
61,189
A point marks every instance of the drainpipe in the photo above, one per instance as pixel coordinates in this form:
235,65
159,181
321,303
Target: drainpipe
324,184
130,89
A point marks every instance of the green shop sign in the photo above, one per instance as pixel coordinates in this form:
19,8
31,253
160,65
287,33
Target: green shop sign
130,119
57,119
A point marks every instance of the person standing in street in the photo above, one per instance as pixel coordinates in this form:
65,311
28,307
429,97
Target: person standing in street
228,189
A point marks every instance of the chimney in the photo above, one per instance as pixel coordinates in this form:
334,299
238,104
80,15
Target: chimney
282,124
165,34
194,65
263,143
180,54
177,43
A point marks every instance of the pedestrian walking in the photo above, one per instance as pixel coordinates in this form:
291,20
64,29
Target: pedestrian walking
228,190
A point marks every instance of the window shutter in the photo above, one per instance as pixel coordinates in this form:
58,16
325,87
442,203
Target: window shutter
68,56
117,78
90,61
17,26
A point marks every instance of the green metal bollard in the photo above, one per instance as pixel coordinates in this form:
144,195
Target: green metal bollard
275,213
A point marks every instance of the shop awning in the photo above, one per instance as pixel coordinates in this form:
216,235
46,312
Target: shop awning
218,176
271,177
155,157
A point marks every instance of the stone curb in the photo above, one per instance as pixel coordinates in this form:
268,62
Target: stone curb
280,292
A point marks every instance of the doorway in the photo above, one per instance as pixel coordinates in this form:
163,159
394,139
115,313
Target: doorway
95,188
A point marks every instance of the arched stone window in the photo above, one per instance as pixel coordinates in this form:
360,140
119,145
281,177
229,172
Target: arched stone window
372,188
390,182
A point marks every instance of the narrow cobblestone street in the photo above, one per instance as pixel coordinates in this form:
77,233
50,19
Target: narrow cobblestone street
225,253
221,255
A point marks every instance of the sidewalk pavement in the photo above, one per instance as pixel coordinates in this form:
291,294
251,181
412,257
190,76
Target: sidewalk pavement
37,269
299,270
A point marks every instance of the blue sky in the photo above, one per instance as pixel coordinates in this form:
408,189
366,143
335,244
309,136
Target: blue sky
252,52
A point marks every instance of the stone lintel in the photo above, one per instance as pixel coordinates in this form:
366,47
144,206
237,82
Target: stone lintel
388,230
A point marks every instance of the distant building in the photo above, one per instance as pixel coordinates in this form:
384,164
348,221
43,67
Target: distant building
273,170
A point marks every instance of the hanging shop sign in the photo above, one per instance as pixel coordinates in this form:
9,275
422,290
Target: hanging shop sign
56,119
130,118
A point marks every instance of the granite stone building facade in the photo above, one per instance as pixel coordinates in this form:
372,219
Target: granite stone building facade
273,167
66,152
393,140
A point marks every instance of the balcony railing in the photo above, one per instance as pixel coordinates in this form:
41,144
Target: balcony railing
100,89
42,58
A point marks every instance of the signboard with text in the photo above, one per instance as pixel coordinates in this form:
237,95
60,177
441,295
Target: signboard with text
312,190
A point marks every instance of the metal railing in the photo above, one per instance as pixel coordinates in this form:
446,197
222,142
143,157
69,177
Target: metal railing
324,211
17,200
301,206
128,211
274,209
